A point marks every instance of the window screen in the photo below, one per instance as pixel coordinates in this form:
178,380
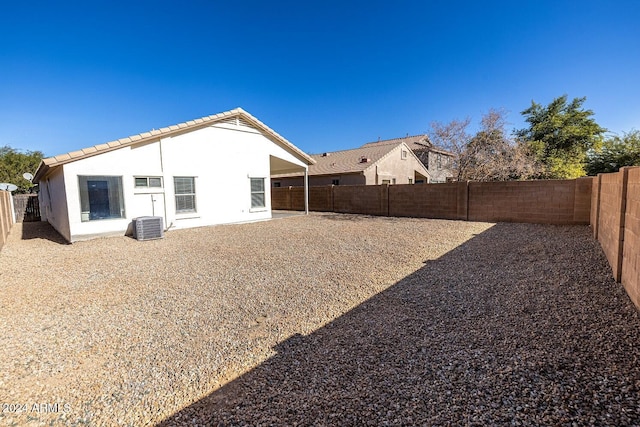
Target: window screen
185,189
257,193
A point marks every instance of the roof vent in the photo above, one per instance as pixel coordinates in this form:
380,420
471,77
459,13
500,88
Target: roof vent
326,154
148,228
364,159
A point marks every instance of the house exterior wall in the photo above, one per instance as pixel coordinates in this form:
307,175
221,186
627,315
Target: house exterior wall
439,170
221,158
53,203
393,166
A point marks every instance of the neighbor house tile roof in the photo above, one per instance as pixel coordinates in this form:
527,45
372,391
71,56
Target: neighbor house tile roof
166,132
416,143
347,161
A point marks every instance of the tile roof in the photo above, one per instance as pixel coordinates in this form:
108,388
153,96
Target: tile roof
416,143
166,132
347,161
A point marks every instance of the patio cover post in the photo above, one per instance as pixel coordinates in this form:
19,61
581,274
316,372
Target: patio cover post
306,191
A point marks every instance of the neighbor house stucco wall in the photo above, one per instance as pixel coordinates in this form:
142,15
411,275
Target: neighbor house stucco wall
394,166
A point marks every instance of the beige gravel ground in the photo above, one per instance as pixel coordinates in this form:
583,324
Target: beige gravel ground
345,320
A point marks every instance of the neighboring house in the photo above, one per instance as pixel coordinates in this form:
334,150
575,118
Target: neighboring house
371,165
206,171
439,162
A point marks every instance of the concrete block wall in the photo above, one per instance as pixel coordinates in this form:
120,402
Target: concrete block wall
321,198
6,216
547,202
281,198
292,198
541,202
610,223
630,273
582,200
615,220
441,201
361,199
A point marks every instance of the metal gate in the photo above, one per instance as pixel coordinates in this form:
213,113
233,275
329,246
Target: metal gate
27,207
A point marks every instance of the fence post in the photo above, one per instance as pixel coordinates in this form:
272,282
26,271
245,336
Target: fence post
384,199
331,209
462,193
623,211
595,205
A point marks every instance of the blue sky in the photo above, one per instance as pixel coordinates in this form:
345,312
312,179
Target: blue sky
327,75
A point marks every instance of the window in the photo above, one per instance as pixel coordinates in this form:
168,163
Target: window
410,181
101,197
386,181
276,185
148,182
257,193
335,182
404,155
439,161
185,188
393,181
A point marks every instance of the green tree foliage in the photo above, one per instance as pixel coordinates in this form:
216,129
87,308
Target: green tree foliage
616,152
490,154
560,135
14,163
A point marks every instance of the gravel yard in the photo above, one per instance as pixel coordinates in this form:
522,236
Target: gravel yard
324,319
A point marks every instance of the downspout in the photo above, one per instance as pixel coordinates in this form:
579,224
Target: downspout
306,191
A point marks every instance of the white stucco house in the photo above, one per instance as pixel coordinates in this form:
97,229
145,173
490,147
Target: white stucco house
207,171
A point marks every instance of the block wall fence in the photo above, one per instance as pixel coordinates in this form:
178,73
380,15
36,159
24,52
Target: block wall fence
6,216
615,220
546,202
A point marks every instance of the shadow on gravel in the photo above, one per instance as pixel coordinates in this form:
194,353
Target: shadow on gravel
41,230
492,333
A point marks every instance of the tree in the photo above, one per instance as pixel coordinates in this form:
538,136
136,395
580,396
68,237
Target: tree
490,154
616,152
14,163
454,138
560,135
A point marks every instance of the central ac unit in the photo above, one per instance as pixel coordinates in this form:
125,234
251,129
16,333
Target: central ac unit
148,228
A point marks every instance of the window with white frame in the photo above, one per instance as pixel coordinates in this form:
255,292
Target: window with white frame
257,193
404,154
185,190
148,182
101,197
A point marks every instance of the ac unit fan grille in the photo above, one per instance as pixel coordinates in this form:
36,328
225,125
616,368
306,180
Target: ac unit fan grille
148,228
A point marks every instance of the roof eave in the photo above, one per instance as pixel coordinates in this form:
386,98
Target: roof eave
168,132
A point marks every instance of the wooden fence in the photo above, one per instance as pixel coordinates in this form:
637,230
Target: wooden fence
27,207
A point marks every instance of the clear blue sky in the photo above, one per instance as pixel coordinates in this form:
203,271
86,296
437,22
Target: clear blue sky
327,75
